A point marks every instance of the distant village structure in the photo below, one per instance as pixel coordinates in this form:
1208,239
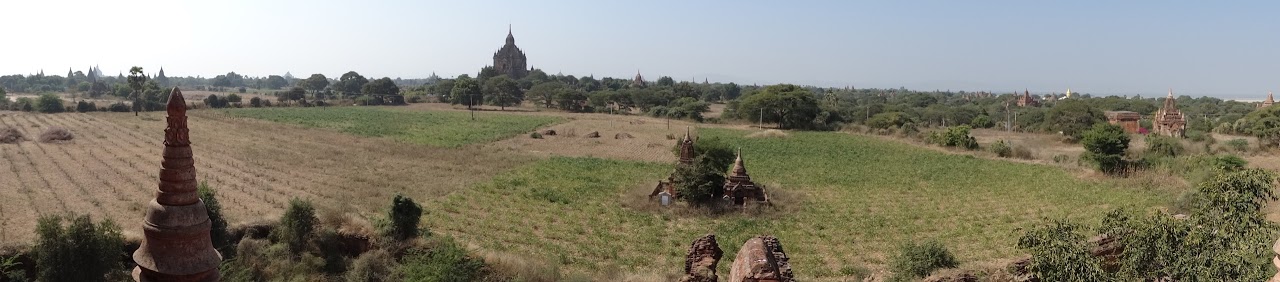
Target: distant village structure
1168,120
1125,119
510,60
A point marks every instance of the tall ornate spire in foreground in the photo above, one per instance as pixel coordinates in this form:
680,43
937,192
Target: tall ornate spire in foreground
177,245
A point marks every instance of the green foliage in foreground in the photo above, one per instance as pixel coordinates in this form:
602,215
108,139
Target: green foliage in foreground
78,251
1225,238
834,194
218,229
919,260
1104,145
435,128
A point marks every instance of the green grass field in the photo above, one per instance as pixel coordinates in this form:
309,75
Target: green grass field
843,200
435,128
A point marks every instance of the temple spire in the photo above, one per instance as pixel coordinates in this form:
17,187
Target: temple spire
176,245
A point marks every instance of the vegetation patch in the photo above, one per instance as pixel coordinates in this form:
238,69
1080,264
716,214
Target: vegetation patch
863,195
435,128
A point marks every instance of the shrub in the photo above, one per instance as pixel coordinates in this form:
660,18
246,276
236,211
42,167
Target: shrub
373,266
699,183
1163,146
85,107
886,120
79,251
118,107
49,103
404,215
255,102
919,260
982,121
1238,144
1059,253
1228,163
1001,149
25,104
11,135
956,136
56,134
218,230
443,260
297,225
1105,145
535,135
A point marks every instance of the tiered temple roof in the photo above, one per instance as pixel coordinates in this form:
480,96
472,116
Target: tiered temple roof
1271,100
1168,120
176,244
638,82
738,187
510,60
1026,100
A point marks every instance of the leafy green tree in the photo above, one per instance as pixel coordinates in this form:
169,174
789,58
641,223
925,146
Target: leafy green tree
297,225
136,81
49,103
503,92
381,86
699,183
666,81
218,230
1226,237
887,120
982,121
315,83
1105,145
277,82
350,83
1072,117
486,73
404,216
546,92
466,91
78,251
573,100
788,105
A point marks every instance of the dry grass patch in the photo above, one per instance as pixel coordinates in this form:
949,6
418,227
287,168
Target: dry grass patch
11,135
55,133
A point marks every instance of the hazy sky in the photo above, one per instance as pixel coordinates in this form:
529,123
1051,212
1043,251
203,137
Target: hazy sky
1217,48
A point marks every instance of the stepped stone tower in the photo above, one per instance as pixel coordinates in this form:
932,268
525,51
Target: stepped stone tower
177,246
686,148
510,60
1168,120
638,82
739,188
1271,100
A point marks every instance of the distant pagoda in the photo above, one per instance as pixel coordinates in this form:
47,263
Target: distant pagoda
1026,100
1271,100
638,82
1168,120
177,246
510,60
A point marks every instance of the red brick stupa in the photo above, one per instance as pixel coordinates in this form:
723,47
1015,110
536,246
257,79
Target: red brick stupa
177,245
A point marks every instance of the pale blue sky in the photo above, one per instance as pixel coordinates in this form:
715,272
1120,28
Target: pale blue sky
1217,48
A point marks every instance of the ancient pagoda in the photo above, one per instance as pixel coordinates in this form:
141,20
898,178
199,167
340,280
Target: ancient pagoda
1271,100
738,187
1168,120
510,60
1026,100
638,82
667,188
176,246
